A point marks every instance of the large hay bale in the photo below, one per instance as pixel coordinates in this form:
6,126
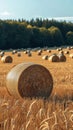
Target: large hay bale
6,59
29,80
53,58
62,57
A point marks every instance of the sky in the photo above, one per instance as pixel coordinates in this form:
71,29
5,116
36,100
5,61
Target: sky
28,9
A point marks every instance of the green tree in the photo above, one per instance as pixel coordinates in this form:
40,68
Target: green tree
35,37
69,38
57,38
45,37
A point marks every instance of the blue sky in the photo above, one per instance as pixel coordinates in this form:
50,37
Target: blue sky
28,9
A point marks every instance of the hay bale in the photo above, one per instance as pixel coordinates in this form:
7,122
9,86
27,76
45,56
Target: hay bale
62,57
2,53
25,52
53,58
14,51
69,48
45,57
29,80
49,51
66,52
44,49
29,54
6,59
71,55
18,54
61,52
28,51
39,52
59,49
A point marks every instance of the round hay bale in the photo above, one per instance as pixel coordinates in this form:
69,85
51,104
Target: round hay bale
2,53
28,51
53,58
6,59
25,52
29,54
45,57
71,55
66,52
29,80
61,52
59,49
69,48
14,51
49,51
39,53
44,49
18,54
62,57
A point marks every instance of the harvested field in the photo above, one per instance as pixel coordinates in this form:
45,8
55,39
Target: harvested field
54,113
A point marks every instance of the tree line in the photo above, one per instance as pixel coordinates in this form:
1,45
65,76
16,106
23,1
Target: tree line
35,33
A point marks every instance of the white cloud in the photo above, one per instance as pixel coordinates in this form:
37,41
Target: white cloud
62,18
5,13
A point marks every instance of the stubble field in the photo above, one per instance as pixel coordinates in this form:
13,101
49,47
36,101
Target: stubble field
54,113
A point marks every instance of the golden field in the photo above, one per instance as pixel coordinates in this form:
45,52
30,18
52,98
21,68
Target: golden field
54,113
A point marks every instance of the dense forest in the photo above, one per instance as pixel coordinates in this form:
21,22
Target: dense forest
35,33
